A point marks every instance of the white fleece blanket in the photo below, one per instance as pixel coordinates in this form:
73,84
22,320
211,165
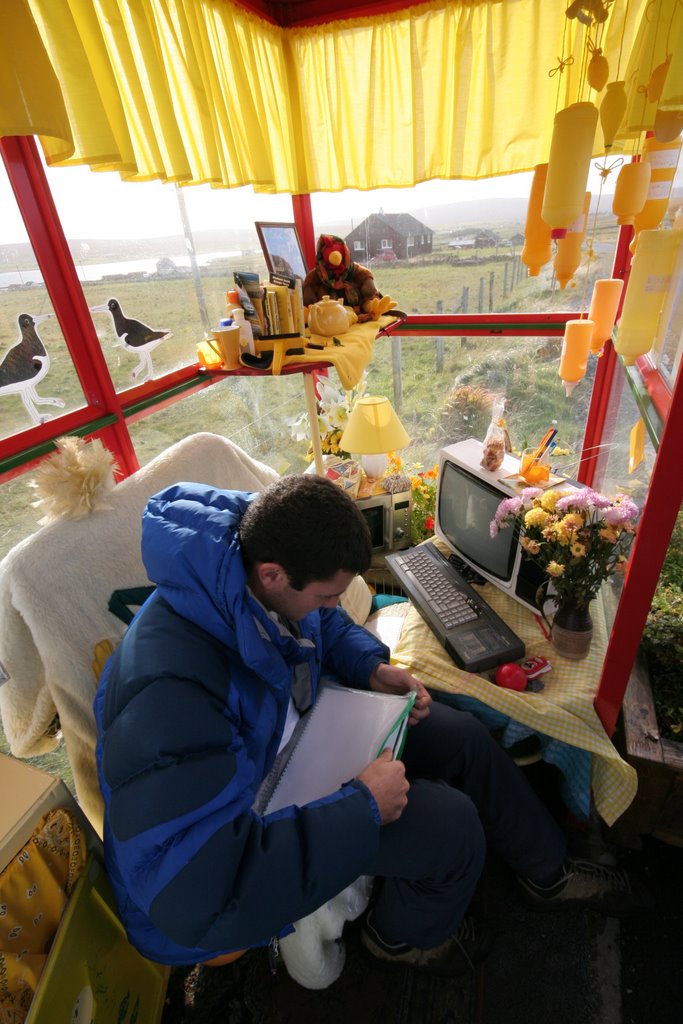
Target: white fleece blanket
54,591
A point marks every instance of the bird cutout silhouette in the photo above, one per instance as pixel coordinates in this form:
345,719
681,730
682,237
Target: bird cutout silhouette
24,366
134,336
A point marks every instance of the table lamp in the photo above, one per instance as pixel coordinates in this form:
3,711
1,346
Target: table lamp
372,431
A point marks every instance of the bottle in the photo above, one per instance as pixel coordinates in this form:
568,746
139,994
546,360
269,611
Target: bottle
568,252
603,310
537,242
612,110
663,159
246,332
576,345
568,166
630,191
646,292
232,301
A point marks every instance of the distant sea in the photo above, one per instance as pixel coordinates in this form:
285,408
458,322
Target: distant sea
90,272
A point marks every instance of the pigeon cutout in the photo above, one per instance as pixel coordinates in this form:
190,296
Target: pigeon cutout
134,336
24,366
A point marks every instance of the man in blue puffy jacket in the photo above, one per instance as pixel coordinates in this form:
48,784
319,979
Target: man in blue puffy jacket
205,689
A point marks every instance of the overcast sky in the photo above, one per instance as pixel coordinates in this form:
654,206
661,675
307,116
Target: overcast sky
100,205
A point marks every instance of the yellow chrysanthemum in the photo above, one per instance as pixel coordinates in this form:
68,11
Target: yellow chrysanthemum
532,546
549,500
577,549
572,521
536,517
555,569
609,534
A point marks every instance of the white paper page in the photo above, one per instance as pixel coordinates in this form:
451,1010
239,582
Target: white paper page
345,730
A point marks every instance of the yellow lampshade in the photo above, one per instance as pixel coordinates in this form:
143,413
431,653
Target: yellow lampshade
373,428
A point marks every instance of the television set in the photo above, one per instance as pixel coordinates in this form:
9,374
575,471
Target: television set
467,498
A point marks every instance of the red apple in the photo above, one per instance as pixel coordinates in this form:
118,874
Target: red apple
511,675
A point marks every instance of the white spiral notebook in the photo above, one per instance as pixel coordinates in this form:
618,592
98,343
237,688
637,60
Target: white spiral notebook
343,732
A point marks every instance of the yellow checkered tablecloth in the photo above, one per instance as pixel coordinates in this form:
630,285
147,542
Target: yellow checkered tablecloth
563,710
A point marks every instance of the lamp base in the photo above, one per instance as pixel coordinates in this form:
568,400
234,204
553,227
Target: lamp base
374,466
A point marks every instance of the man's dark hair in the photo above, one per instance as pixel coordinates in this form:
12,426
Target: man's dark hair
307,525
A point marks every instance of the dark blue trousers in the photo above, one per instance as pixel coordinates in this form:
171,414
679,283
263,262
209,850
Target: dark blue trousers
465,792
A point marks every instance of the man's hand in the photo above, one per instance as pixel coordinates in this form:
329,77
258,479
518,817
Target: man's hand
386,780
392,679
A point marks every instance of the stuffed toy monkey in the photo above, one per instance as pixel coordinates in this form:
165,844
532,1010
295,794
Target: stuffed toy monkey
336,275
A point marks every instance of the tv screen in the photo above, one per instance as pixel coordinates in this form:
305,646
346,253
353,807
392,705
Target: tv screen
466,506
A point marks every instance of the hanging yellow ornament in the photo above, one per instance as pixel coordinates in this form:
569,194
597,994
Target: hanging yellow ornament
570,154
575,348
654,87
646,292
597,71
612,110
663,159
568,251
630,192
668,124
537,242
603,310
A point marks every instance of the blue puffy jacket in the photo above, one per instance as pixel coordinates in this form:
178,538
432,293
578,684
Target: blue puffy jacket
190,712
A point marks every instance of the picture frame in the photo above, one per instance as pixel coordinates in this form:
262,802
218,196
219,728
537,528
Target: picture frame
281,248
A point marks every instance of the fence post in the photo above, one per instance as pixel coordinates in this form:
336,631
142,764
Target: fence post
481,294
464,306
492,278
439,343
396,372
505,279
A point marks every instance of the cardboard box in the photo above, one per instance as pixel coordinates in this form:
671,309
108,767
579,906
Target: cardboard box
27,795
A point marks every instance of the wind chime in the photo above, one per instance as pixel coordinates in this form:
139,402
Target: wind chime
559,204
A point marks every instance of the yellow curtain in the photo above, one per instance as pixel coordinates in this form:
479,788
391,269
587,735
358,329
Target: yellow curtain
204,91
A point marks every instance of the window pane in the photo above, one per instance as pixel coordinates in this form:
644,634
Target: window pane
255,412
156,261
458,245
37,378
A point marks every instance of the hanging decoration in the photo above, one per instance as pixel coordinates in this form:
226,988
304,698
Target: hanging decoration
537,242
648,287
568,251
612,110
25,365
134,336
662,158
597,71
603,310
576,346
631,189
570,154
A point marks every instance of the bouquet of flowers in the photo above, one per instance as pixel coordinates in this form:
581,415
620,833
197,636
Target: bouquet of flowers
422,485
578,538
334,409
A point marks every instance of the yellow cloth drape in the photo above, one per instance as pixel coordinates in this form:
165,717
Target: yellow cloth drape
205,91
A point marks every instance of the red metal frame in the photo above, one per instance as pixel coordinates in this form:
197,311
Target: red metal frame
303,218
657,521
27,177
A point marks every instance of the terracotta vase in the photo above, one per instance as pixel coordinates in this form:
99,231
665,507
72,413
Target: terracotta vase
572,630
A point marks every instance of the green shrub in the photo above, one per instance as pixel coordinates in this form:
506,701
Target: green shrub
662,642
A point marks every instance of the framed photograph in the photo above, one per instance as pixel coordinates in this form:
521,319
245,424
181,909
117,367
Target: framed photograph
281,248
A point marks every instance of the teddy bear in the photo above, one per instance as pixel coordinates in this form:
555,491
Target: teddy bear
335,274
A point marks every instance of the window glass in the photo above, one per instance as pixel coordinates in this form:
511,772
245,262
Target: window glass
155,261
257,413
471,236
37,377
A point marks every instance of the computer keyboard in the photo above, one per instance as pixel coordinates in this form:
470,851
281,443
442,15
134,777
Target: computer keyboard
467,627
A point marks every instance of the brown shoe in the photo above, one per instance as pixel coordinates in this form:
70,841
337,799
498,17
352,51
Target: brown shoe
459,954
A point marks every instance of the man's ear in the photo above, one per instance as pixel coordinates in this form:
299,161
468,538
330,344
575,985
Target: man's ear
271,577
